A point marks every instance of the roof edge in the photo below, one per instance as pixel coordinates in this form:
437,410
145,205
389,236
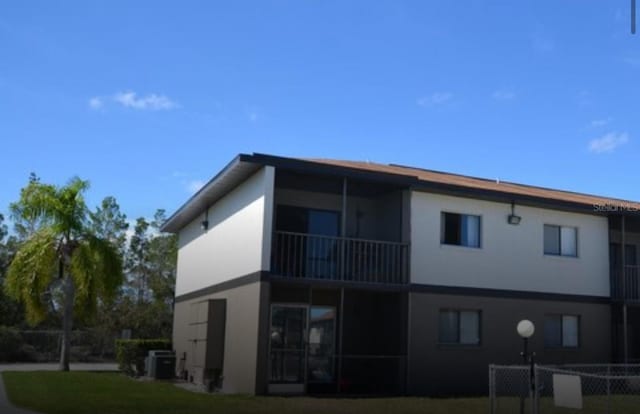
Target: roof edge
170,225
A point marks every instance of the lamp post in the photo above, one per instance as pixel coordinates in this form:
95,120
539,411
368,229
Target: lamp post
526,329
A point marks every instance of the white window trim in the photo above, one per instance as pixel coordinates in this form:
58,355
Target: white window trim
560,255
462,246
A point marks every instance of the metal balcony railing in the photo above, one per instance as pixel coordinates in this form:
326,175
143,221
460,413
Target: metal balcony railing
300,255
626,286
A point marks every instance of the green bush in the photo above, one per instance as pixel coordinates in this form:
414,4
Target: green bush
130,353
11,344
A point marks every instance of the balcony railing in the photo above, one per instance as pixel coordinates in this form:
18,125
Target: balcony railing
300,255
626,287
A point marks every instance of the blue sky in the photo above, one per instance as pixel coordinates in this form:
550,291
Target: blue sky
147,100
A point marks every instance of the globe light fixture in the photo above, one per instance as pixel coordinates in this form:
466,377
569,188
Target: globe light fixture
526,328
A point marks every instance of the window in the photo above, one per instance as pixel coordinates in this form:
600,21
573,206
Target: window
561,331
460,230
459,327
560,240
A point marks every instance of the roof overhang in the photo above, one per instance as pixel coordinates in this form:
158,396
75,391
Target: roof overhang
237,171
245,165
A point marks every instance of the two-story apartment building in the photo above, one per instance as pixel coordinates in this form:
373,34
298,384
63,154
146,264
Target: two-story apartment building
324,276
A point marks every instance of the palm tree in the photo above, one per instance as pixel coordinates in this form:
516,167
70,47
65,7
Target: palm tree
61,253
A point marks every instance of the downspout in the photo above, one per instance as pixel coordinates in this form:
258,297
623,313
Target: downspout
343,229
343,233
625,345
341,328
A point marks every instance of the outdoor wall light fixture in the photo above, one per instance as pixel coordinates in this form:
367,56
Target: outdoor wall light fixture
513,218
526,329
204,224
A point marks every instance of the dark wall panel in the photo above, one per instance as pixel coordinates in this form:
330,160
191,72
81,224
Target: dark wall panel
437,369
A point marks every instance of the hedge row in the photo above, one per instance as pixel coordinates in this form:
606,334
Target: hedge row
11,344
130,353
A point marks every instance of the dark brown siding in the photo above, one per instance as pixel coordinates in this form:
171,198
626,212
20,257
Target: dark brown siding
445,369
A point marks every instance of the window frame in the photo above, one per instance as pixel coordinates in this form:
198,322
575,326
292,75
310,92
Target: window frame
461,216
560,253
562,329
458,312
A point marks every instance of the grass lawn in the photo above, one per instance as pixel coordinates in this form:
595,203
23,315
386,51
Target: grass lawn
108,393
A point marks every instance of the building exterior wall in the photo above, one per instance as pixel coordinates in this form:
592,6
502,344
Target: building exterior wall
237,242
241,346
436,369
510,257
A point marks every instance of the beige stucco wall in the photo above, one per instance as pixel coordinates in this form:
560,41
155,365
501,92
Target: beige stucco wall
238,241
511,257
241,337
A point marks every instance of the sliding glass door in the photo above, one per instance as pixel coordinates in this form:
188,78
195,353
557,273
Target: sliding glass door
302,347
288,348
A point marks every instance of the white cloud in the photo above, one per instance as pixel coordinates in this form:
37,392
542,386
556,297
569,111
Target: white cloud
436,98
96,102
608,142
152,101
601,122
503,95
194,185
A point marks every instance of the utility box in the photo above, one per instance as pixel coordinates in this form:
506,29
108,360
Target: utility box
161,364
207,336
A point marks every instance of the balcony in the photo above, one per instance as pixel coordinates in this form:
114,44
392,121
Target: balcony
329,258
626,288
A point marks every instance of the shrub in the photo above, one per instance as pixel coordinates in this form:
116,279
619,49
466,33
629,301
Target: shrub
130,353
11,344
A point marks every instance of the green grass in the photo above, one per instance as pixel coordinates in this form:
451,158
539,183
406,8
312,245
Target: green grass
102,393
617,404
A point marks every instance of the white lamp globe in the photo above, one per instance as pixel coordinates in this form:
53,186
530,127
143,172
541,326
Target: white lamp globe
526,328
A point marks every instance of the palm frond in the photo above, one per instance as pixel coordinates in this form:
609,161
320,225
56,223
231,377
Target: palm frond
96,268
62,208
31,272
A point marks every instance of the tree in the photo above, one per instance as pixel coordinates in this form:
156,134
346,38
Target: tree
147,309
61,251
109,223
137,262
10,311
163,257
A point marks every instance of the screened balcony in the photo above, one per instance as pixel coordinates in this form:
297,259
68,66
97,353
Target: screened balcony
624,263
626,286
299,255
339,229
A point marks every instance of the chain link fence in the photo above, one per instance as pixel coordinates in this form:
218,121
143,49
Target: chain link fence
595,388
45,346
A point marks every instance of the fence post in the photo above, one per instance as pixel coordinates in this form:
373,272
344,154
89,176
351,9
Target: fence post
492,390
608,392
534,388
